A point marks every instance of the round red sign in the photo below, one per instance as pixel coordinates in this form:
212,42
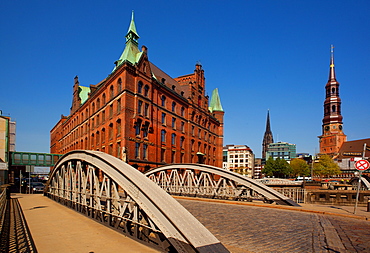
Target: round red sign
362,165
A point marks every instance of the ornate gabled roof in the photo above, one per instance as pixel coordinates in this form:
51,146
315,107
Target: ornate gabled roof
215,104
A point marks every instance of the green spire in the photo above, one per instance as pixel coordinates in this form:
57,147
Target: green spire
132,27
215,104
131,52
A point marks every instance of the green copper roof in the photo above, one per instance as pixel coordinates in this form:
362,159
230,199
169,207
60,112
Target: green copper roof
132,27
131,52
83,93
215,104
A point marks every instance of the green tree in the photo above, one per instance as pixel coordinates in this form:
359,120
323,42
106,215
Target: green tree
277,168
299,167
326,167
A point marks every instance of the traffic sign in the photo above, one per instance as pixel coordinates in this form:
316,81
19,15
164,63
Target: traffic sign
362,165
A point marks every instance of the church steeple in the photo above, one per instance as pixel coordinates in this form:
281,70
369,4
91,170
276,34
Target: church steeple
267,138
332,129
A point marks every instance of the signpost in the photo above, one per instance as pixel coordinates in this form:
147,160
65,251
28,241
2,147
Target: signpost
360,165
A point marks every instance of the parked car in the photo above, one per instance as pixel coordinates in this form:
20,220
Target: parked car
36,187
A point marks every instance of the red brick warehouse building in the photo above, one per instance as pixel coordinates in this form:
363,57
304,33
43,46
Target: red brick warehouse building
143,116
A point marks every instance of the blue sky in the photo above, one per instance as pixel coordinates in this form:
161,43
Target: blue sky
260,55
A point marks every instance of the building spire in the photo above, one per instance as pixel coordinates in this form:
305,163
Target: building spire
267,138
215,104
332,70
131,53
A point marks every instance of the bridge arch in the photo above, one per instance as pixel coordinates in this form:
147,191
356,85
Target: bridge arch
112,192
212,182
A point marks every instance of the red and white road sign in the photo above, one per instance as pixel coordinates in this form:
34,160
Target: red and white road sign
362,165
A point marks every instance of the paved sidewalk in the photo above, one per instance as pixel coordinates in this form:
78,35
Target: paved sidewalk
56,228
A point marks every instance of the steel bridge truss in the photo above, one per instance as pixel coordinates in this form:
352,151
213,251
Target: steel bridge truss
206,181
112,192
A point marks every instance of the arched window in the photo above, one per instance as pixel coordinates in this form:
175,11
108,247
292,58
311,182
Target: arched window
111,92
146,90
333,90
173,106
182,111
163,136
93,107
333,108
119,85
140,87
163,99
104,100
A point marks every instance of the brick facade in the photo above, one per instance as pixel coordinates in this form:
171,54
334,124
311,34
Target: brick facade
142,115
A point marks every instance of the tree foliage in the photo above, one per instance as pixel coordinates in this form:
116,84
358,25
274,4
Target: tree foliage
326,167
277,168
299,167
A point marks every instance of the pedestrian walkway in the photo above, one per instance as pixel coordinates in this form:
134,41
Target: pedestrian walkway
56,228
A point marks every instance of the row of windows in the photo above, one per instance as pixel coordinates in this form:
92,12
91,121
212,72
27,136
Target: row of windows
173,106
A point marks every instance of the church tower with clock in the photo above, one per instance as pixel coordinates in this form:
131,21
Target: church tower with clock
332,136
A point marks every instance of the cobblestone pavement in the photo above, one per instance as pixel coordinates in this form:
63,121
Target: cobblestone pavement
257,229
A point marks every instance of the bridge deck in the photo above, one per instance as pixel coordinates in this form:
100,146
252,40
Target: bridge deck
55,228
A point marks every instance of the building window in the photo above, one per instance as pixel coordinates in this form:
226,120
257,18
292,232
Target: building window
111,92
145,151
110,111
103,116
182,111
174,123
199,133
173,157
146,110
146,90
118,127
163,118
119,85
139,87
145,130
118,105
139,107
111,131
182,140
118,150
173,106
137,128
163,153
97,138
163,136
97,104
163,99
103,135
173,139
110,149
137,150
192,130
182,126
104,100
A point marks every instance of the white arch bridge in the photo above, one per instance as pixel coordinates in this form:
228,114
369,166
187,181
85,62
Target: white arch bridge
200,180
112,192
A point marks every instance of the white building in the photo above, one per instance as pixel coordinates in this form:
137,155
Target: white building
240,159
